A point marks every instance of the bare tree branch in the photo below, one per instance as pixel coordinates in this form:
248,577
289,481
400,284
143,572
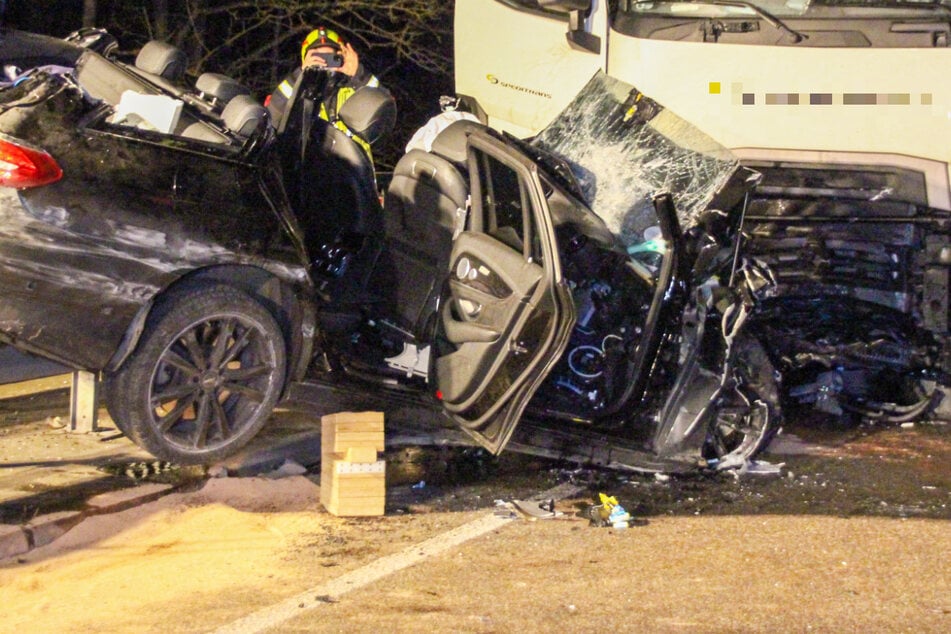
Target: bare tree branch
406,43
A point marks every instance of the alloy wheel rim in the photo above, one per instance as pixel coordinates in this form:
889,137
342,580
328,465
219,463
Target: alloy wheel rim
210,382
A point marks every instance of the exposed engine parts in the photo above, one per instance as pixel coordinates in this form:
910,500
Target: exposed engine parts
592,372
855,313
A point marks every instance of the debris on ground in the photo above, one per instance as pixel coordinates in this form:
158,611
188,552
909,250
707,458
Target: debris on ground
760,467
537,510
218,471
287,469
609,513
744,466
139,470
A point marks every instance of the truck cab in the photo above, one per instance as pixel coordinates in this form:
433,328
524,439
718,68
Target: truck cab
832,82
844,109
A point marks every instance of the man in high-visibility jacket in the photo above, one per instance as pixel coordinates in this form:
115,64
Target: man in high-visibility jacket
324,48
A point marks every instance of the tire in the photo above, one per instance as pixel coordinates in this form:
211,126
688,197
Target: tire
749,414
204,377
115,402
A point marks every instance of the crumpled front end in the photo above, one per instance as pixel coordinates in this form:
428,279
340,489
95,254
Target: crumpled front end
854,291
673,199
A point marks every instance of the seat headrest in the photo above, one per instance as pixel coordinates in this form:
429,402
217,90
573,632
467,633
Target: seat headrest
162,59
451,142
221,87
243,115
369,113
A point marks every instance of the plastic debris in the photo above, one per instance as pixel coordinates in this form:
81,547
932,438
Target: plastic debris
505,509
55,422
609,513
420,485
758,467
218,471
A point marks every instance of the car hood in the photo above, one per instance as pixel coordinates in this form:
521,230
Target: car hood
623,148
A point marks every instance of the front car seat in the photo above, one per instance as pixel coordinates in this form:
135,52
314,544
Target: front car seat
425,205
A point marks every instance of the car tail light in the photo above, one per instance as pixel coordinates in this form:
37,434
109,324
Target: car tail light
22,166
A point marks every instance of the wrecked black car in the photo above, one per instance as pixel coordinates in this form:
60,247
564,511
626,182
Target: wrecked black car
616,289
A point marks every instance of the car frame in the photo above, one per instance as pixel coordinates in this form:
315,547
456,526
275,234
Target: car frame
208,269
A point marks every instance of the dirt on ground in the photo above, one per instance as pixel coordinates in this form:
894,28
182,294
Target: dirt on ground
852,534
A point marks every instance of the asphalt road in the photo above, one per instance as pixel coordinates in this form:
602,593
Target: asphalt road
851,535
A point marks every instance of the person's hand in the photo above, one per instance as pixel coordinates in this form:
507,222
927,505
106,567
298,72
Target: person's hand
351,61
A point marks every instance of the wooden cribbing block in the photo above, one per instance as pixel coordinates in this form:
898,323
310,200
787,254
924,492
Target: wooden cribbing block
360,454
352,480
341,431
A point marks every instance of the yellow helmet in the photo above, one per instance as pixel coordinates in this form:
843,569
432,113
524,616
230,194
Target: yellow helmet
321,36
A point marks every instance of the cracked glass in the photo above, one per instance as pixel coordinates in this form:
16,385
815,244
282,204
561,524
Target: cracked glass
623,148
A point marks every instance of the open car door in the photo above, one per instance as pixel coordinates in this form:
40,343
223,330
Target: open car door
506,314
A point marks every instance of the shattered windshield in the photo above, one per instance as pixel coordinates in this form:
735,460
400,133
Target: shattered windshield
624,148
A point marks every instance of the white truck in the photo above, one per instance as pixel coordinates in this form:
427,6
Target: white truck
843,107
857,82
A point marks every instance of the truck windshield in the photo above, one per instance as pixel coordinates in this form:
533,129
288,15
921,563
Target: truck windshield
777,8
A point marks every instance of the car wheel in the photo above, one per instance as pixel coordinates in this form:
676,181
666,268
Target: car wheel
749,414
203,379
114,401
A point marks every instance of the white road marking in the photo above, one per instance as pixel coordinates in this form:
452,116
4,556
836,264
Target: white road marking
274,615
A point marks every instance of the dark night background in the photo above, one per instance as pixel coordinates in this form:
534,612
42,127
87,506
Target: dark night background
406,43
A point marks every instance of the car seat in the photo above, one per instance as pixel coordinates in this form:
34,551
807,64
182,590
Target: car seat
243,115
425,205
162,64
452,142
217,90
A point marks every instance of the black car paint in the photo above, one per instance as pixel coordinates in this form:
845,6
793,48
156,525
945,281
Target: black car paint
148,194
139,214
134,213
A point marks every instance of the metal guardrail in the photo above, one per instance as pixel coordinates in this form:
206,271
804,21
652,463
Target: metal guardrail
22,375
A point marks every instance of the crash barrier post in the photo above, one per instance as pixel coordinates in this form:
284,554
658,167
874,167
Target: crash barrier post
84,402
352,480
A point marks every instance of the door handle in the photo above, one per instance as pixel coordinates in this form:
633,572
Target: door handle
469,308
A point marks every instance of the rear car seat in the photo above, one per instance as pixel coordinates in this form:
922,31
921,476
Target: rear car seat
219,89
243,115
163,64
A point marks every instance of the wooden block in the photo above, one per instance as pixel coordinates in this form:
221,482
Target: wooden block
337,439
355,489
349,429
347,485
354,417
341,441
352,480
355,425
360,454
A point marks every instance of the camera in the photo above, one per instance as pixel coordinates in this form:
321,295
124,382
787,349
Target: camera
334,60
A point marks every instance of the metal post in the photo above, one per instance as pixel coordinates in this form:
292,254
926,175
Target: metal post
84,402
